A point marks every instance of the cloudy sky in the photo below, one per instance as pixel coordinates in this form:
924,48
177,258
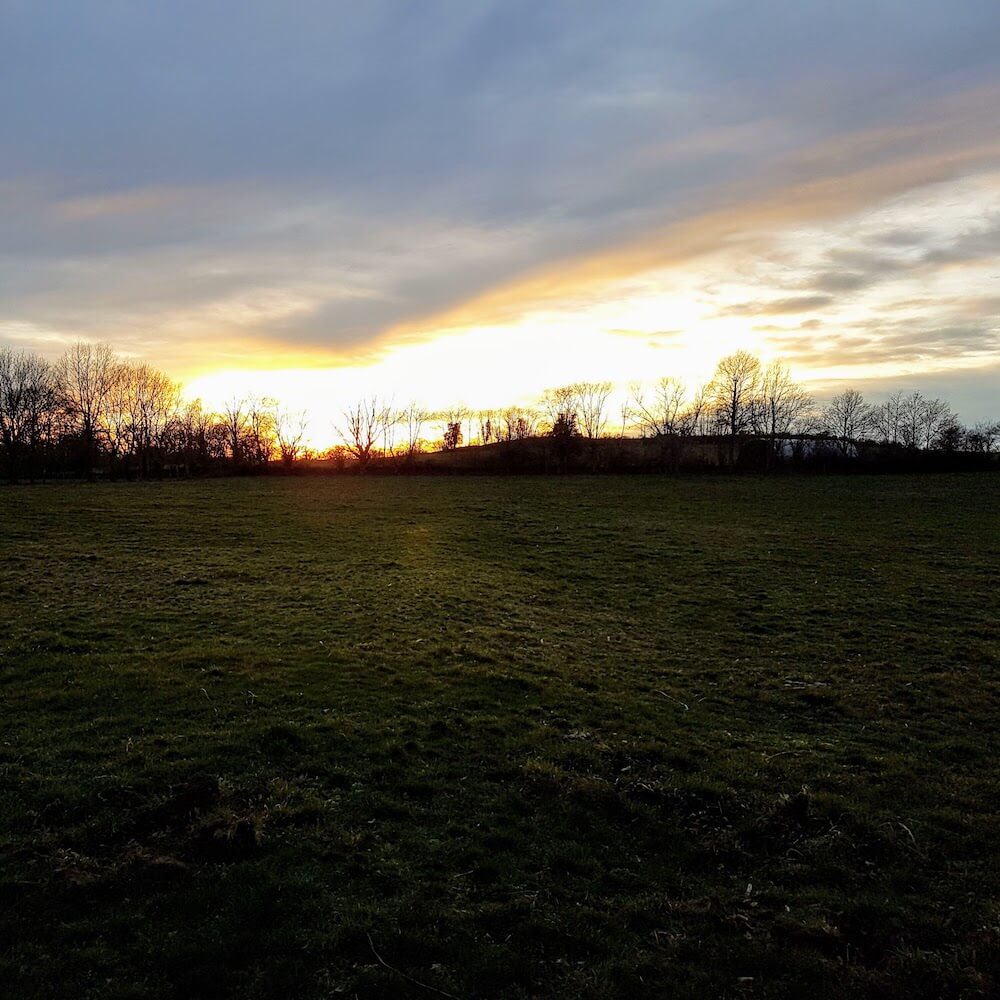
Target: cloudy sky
475,200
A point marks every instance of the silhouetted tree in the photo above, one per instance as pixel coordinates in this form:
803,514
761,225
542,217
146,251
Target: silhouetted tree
983,437
664,413
289,431
94,411
458,413
950,437
559,403
733,391
659,411
489,422
86,375
412,419
592,399
191,429
452,436
626,413
911,420
261,441
936,417
920,420
28,401
778,405
361,428
153,399
847,419
234,427
886,419
518,424
565,434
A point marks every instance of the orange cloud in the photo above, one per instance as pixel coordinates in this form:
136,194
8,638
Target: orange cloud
946,145
98,206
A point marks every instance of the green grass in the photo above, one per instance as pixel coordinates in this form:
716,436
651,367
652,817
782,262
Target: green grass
522,737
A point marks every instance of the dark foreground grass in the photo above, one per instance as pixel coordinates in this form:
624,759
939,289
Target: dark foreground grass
520,738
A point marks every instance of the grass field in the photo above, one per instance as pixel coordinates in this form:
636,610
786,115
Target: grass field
509,737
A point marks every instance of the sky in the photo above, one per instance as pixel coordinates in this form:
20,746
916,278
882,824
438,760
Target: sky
472,201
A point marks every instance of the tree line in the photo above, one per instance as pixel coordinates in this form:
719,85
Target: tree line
92,413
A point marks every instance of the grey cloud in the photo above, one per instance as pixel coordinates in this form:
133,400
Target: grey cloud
841,281
886,341
902,238
775,307
383,161
865,265
973,391
978,244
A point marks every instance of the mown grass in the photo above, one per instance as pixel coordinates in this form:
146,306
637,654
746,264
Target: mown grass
511,737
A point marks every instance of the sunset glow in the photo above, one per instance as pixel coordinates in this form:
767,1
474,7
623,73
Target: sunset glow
678,319
498,498
605,219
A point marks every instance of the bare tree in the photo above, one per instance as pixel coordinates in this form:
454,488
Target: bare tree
234,425
694,416
562,403
86,375
130,406
733,391
411,419
778,404
289,431
626,415
154,399
518,423
911,420
658,410
848,418
387,423
592,399
887,418
261,439
983,437
936,417
662,412
951,436
192,429
362,424
488,422
28,401
218,440
119,430
457,413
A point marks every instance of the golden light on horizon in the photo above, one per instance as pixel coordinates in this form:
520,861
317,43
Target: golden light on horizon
594,320
493,367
